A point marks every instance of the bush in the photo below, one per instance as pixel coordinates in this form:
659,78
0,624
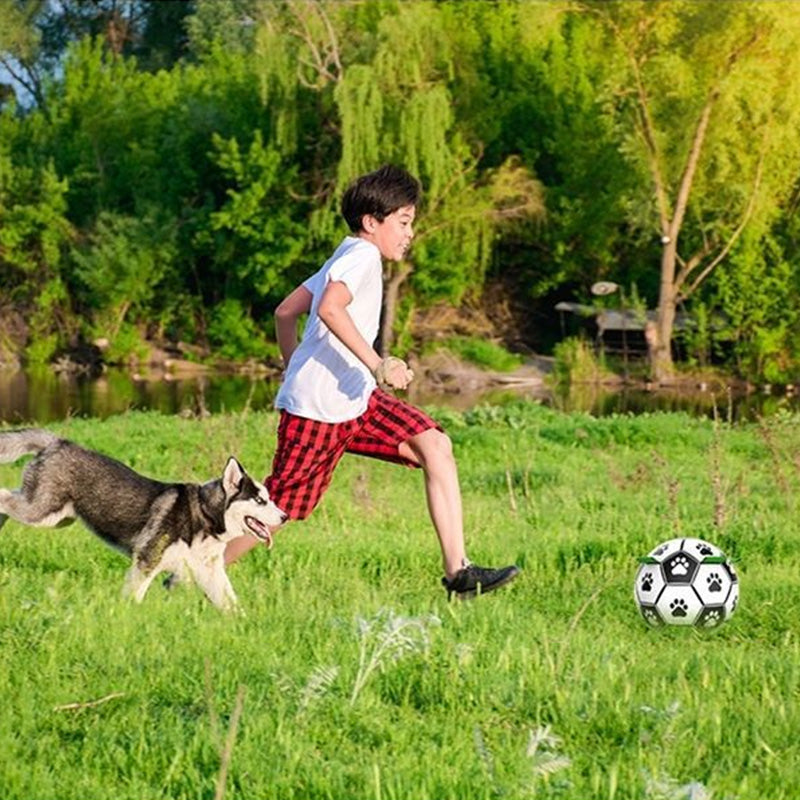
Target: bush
576,362
234,335
127,345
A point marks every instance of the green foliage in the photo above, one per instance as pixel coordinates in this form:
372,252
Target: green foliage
698,337
576,362
756,299
551,71
121,266
50,322
215,24
483,352
215,163
233,333
257,235
127,345
34,229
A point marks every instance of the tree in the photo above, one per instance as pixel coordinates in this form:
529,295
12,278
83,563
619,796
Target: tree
540,69
706,101
20,41
35,34
402,105
34,236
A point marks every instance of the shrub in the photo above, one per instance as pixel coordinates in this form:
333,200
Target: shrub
576,362
234,335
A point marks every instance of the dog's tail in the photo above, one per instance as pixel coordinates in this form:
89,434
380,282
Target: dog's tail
15,444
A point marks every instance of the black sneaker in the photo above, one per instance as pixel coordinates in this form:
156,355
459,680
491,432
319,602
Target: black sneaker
472,580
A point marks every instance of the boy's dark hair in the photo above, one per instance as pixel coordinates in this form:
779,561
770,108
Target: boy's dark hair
379,194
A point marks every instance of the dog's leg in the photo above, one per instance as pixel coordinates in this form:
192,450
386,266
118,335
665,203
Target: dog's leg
143,571
209,574
153,552
138,580
3,519
15,505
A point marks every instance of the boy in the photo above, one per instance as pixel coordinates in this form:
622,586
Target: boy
330,401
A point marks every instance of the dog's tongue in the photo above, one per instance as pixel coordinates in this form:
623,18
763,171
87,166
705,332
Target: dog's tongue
259,530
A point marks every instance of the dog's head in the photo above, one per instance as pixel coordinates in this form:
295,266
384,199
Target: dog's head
248,509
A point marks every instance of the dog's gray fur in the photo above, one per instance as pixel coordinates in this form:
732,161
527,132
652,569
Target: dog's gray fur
177,527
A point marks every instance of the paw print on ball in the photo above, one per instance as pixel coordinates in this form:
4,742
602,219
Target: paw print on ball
714,582
680,568
651,617
678,607
712,619
647,582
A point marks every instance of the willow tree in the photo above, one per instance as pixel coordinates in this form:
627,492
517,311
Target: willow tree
384,78
401,105
709,110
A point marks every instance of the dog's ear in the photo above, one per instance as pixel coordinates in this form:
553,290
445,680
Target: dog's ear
232,477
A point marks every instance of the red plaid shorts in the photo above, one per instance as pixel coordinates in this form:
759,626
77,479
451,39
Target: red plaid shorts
309,450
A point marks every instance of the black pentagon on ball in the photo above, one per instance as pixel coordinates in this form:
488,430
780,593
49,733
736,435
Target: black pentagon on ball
651,615
680,567
710,617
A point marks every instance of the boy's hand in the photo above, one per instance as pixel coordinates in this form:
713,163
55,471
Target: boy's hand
394,373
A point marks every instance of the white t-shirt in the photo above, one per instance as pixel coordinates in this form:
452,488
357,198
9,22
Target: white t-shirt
324,380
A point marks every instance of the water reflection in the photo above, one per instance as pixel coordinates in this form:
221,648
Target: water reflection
42,396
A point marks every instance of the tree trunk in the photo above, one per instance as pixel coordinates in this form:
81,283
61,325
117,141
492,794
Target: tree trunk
390,297
660,350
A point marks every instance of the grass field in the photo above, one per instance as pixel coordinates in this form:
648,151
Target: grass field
350,676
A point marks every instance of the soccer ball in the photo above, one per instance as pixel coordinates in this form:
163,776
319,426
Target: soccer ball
686,582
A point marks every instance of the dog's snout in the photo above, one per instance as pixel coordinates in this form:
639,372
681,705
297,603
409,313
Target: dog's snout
284,517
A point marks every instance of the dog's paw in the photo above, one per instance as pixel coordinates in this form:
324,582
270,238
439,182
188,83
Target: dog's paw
235,610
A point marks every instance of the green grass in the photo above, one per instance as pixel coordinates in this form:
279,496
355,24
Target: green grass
551,688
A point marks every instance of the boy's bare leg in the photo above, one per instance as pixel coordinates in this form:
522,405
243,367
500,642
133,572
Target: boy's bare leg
433,451
237,547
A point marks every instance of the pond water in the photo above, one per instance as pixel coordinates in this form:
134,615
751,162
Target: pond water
43,396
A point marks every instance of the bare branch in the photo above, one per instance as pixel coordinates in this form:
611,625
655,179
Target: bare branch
28,80
692,160
325,60
88,703
687,267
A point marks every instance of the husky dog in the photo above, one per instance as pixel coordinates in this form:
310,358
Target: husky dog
178,527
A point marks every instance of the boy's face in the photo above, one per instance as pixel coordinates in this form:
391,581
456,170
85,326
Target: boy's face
392,236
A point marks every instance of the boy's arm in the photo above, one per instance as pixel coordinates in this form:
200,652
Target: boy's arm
333,312
286,316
